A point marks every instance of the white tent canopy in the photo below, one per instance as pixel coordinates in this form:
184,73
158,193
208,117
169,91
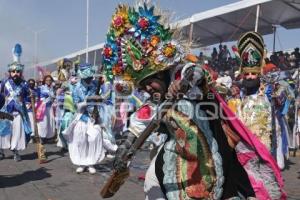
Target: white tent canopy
228,22
221,24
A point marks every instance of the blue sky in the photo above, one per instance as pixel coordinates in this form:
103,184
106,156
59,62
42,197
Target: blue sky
64,24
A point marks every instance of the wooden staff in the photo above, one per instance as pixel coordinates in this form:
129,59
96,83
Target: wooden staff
40,149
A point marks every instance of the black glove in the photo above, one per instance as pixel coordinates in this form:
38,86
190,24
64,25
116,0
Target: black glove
120,162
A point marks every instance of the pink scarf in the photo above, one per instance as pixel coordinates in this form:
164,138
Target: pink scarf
40,110
253,142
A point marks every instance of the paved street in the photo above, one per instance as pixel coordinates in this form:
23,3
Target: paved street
292,177
57,180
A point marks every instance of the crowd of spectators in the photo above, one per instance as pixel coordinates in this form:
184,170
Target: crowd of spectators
222,60
286,61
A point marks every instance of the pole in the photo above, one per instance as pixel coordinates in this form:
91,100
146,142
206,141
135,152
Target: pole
87,31
35,51
294,144
191,34
95,57
35,59
274,37
257,17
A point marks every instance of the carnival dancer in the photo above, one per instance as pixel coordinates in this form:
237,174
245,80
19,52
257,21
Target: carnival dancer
31,84
256,106
15,134
84,135
45,114
65,107
196,161
65,114
63,71
106,108
283,95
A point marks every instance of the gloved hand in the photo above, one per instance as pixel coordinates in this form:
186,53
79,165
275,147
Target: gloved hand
120,162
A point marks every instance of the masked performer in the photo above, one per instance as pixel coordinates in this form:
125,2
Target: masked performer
196,161
45,114
84,135
15,134
256,106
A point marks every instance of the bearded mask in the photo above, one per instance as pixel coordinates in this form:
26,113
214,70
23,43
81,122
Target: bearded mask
251,85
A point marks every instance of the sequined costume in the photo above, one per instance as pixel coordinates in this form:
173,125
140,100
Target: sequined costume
196,161
255,112
15,134
85,137
45,113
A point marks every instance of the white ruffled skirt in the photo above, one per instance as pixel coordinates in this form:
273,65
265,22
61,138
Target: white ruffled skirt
46,127
86,146
15,140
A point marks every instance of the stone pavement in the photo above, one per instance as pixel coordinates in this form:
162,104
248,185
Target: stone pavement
291,177
57,180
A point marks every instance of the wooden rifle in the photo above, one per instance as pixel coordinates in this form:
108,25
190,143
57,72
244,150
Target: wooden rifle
117,179
40,149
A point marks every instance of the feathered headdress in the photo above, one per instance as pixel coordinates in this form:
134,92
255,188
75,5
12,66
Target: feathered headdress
252,52
16,64
139,45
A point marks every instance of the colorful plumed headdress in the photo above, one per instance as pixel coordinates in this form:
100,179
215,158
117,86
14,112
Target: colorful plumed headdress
138,45
16,64
86,71
252,52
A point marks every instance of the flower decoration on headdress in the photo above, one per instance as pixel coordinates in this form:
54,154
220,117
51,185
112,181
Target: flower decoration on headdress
170,53
120,20
138,45
146,23
110,53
